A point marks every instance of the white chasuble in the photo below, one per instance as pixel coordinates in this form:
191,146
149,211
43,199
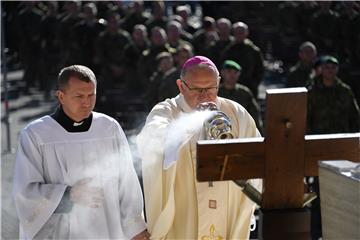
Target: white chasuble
177,206
49,159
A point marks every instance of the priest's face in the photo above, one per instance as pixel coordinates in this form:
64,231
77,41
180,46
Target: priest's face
78,99
200,84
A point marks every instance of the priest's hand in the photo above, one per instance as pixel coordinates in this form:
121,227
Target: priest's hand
84,194
144,235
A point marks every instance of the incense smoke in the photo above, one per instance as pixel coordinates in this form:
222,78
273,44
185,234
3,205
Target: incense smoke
166,140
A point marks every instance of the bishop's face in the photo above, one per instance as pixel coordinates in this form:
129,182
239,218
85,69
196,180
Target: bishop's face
78,99
200,84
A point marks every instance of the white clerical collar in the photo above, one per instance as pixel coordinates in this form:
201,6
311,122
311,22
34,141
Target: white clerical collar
76,124
181,102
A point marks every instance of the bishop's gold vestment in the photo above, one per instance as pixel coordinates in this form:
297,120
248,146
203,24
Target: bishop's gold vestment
177,206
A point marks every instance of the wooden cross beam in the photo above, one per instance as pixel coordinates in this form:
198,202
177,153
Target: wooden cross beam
282,158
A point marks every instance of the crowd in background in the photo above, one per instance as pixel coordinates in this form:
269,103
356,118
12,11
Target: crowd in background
121,40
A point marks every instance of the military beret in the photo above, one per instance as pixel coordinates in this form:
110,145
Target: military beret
231,64
329,59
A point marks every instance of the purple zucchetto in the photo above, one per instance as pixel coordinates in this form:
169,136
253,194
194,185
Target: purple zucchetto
198,60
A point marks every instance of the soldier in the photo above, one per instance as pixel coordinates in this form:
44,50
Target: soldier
248,55
50,48
136,15
133,51
326,38
208,25
174,30
87,30
185,12
167,88
158,17
332,106
70,48
230,89
147,62
28,24
110,47
302,73
331,109
223,26
165,64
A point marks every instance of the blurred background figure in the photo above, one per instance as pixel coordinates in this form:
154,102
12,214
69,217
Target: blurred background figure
136,15
208,25
70,46
248,55
223,28
325,29
110,52
50,48
165,65
158,17
167,88
147,63
174,31
28,22
302,73
87,31
133,52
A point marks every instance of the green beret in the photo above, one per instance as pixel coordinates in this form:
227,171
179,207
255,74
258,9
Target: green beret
231,64
329,59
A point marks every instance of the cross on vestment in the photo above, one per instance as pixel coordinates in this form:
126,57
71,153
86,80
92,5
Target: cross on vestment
282,158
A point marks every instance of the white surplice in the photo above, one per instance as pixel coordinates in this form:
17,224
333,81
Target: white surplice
177,206
49,159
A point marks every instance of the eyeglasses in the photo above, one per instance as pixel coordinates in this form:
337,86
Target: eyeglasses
211,90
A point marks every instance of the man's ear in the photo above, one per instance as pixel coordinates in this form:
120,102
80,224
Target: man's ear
180,86
60,96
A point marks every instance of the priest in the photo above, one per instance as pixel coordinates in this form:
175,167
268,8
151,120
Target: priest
74,176
177,206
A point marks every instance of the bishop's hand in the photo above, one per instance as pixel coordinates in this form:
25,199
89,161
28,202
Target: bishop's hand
86,195
206,106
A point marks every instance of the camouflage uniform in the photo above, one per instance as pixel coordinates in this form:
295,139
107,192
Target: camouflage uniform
332,109
242,95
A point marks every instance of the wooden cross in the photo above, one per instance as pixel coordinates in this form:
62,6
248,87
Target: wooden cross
282,158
